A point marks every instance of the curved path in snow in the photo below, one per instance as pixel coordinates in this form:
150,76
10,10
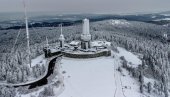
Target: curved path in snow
40,81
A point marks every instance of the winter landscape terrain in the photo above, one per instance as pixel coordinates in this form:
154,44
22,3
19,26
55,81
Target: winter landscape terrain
83,79
138,65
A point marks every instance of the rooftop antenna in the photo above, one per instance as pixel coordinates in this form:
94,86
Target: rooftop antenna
61,38
61,25
27,33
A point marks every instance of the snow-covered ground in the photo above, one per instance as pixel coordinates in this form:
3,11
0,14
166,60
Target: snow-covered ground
96,77
30,79
40,89
153,16
130,57
163,19
119,22
74,43
100,43
87,78
99,77
166,14
38,60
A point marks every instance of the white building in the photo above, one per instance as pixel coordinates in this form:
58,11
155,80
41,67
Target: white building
85,36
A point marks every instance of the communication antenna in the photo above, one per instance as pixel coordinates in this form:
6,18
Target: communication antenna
27,33
61,25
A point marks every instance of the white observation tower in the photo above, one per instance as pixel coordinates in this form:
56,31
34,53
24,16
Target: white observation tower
85,36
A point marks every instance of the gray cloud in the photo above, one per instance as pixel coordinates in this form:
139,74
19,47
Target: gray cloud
86,6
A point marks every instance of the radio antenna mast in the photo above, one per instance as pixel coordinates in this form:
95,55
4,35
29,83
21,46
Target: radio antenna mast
27,33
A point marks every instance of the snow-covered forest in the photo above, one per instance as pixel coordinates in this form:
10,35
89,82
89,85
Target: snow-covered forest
143,39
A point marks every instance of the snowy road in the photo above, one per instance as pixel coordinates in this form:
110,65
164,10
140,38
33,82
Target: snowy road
118,82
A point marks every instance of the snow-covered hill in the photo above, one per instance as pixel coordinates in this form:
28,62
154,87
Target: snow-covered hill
99,77
119,22
96,77
163,19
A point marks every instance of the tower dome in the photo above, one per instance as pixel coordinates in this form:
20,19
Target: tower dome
61,37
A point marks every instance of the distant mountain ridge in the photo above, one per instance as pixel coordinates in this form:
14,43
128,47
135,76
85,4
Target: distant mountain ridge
15,20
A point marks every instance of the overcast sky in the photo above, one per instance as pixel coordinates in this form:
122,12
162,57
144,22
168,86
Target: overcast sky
86,6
